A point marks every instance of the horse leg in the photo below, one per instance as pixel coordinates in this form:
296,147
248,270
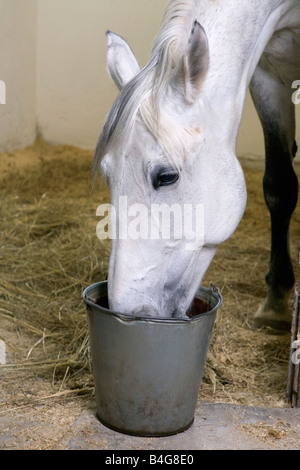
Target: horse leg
273,102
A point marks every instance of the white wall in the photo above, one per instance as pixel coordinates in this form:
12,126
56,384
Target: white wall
251,139
18,71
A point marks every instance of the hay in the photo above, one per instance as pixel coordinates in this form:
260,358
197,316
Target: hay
49,253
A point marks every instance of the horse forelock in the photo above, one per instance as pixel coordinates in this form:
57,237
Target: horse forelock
141,98
120,120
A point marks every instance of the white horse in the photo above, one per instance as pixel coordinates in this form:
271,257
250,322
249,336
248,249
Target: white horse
170,137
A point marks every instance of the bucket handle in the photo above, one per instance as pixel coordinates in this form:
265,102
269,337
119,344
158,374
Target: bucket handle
215,290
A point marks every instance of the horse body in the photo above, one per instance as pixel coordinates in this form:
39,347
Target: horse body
171,136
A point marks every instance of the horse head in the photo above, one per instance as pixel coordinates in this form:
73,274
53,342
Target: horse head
160,151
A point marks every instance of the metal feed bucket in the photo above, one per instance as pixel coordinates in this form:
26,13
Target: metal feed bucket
148,371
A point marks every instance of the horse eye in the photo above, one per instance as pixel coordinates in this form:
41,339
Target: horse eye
165,178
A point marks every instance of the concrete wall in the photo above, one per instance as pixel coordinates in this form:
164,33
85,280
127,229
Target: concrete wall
74,90
53,60
18,71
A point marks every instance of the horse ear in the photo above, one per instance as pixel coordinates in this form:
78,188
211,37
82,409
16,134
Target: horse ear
121,61
195,63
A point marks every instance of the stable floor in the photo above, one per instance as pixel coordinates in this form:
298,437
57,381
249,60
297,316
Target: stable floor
49,253
216,427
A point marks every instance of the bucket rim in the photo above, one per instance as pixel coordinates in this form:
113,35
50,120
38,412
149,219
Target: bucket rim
213,290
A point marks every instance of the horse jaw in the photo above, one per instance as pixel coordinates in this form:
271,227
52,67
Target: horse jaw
142,287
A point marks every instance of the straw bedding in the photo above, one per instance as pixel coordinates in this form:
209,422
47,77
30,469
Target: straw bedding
49,253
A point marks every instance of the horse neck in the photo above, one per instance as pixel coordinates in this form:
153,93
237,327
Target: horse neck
238,33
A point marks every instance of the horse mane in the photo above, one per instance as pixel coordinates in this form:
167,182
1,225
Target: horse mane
140,98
